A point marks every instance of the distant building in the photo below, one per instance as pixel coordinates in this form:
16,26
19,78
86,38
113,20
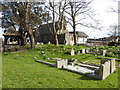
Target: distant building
81,37
104,40
12,37
64,37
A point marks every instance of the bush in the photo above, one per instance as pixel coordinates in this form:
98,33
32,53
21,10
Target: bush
112,44
110,54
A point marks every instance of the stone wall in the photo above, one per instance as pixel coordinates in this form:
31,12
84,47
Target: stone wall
11,47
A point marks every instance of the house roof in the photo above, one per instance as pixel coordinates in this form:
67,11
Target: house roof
11,32
80,34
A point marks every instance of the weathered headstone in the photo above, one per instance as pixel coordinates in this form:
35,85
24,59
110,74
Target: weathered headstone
49,43
72,52
62,63
87,50
104,70
112,65
83,51
78,52
104,52
97,49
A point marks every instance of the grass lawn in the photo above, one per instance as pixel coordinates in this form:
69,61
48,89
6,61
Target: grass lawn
20,70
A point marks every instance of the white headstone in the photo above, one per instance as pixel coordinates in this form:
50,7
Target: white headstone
104,52
49,43
78,52
104,70
97,50
87,50
72,53
112,65
83,51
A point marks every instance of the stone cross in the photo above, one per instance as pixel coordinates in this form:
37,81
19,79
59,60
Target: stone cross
72,52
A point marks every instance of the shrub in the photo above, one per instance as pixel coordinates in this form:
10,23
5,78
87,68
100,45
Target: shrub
110,54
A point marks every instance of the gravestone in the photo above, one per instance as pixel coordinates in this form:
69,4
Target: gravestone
97,49
78,52
49,43
42,52
112,65
87,50
104,52
83,51
104,70
62,63
72,52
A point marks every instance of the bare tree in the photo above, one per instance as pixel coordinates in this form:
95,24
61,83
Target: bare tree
77,11
113,30
56,9
24,16
115,9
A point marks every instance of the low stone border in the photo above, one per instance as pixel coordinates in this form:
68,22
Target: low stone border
89,66
74,71
47,63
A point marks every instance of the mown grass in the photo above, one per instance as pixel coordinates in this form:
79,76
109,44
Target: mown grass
21,71
0,70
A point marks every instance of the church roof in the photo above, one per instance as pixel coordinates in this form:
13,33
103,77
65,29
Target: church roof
48,28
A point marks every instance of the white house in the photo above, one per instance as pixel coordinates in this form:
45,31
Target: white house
81,37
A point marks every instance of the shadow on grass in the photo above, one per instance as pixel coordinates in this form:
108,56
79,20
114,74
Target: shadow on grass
88,78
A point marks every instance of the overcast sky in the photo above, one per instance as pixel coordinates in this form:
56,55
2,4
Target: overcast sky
107,18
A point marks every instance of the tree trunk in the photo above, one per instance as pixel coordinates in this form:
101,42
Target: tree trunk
74,34
56,40
74,30
23,41
28,27
32,41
